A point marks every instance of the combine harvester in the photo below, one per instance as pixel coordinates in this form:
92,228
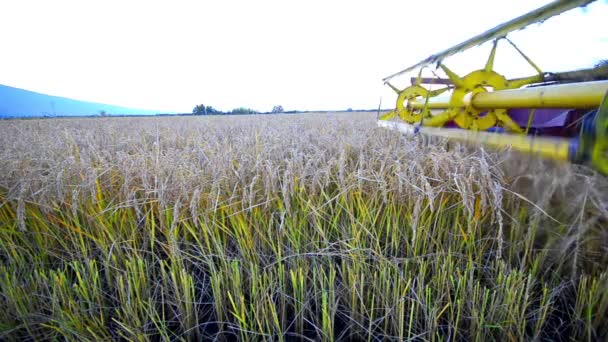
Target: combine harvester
561,116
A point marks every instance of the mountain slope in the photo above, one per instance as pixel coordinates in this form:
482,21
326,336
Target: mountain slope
15,102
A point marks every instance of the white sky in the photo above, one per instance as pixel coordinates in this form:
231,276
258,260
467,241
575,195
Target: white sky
315,54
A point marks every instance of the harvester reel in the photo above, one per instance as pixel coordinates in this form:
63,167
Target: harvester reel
463,113
407,113
468,117
483,100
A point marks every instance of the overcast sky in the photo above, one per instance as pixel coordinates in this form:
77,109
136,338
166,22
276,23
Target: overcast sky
315,54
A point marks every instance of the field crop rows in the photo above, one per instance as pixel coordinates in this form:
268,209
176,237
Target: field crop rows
320,227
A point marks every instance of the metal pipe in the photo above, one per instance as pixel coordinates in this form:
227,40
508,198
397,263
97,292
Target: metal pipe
441,102
553,148
538,15
569,95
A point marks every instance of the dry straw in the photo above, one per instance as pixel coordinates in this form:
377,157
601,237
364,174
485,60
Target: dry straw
294,226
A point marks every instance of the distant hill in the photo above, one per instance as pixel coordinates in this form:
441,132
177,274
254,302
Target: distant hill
15,102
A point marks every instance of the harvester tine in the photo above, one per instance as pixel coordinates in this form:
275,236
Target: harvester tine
505,121
418,80
436,92
490,62
393,87
453,76
439,119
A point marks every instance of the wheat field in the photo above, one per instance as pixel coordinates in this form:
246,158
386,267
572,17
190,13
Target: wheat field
291,227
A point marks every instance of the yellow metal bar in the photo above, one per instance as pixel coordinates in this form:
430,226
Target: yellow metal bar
530,118
490,62
441,102
439,120
553,148
538,15
571,95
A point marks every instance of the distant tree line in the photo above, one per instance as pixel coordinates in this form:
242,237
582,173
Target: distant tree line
201,109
